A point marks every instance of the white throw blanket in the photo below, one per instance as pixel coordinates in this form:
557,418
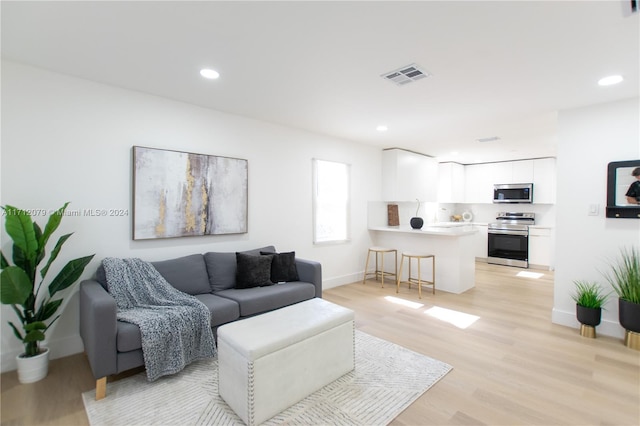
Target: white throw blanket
175,327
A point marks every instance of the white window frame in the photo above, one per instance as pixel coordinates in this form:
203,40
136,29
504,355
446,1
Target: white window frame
342,202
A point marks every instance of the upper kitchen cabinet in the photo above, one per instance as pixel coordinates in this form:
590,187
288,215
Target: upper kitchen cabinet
522,171
478,182
544,181
407,176
451,183
480,178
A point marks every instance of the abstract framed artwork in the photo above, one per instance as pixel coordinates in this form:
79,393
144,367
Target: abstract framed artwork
179,194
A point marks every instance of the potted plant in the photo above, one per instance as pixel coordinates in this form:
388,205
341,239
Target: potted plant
20,285
624,277
589,300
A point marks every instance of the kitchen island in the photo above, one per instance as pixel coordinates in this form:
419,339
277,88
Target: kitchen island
451,243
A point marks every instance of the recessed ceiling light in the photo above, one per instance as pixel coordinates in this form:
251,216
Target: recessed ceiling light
489,139
454,153
209,73
612,79
382,128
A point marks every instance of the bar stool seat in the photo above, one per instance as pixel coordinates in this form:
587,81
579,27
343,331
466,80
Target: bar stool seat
419,281
379,271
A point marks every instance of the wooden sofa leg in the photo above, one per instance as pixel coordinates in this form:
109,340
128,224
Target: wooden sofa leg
101,388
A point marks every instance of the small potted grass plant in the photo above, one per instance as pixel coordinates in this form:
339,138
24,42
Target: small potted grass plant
624,277
589,298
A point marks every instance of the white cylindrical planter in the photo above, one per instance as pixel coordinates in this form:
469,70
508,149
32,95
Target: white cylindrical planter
34,368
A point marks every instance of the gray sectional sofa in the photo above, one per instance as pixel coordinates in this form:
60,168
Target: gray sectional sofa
113,346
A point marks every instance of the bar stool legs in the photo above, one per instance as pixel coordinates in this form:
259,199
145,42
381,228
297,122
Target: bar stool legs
419,281
379,271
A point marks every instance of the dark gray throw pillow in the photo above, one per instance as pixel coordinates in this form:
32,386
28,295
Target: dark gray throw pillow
283,266
253,271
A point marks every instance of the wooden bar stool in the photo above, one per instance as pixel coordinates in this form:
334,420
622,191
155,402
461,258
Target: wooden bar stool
419,281
379,271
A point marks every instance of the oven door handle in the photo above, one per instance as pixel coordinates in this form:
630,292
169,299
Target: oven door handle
508,232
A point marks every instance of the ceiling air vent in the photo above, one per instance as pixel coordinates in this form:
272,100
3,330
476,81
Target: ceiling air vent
406,74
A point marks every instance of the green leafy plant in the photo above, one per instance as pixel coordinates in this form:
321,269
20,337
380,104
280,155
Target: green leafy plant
18,281
624,276
589,294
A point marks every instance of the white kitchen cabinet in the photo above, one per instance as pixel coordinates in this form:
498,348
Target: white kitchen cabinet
480,243
478,183
451,183
407,176
544,181
540,247
522,171
501,172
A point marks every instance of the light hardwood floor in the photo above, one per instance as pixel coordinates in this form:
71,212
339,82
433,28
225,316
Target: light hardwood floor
511,366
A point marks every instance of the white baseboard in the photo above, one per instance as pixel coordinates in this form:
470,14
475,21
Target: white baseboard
606,327
59,348
341,280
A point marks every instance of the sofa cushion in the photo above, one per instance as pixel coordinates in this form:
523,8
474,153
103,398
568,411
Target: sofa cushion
257,300
283,267
222,310
101,276
128,337
188,274
253,271
221,267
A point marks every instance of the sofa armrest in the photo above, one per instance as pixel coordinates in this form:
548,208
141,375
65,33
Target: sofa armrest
310,271
98,328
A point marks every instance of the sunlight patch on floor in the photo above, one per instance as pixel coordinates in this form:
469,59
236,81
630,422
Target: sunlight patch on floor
457,318
529,274
407,303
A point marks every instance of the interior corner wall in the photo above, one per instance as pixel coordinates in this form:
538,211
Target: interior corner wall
68,139
589,138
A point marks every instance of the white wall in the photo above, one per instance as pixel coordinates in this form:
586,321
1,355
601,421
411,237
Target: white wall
67,139
590,138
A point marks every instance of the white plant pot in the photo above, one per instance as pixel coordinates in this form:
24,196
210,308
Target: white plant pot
34,368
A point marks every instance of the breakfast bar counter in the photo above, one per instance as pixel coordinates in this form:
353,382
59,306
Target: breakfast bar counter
451,243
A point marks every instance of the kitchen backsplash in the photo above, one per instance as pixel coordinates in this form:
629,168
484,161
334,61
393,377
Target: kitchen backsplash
438,212
486,213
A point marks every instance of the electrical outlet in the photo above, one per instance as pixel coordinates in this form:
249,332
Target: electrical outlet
594,209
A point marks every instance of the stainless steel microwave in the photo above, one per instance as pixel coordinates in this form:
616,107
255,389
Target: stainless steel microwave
513,193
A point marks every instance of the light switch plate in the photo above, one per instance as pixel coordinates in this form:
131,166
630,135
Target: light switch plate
594,209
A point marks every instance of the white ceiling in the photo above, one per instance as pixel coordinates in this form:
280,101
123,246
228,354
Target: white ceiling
499,68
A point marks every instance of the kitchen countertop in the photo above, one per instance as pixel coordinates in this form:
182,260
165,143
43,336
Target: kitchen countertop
449,229
450,243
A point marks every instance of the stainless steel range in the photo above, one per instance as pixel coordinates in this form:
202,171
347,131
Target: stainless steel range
508,239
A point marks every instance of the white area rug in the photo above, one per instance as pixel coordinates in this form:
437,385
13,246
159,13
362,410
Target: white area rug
386,380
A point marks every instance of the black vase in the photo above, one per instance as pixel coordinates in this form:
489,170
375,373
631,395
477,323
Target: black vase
588,316
416,222
629,315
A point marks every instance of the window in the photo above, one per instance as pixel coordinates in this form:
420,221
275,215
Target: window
331,194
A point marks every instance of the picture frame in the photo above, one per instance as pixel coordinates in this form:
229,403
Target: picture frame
618,180
181,194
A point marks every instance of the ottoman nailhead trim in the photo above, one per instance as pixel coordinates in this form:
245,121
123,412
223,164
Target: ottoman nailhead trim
251,390
353,330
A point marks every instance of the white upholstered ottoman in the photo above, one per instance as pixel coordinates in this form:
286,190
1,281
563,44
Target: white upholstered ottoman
269,362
